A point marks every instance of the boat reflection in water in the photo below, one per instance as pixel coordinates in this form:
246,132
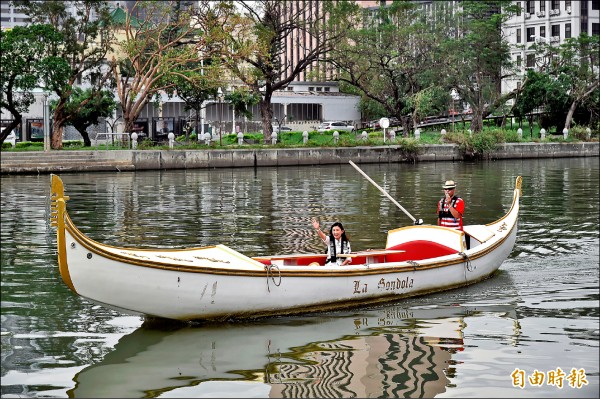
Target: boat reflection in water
379,352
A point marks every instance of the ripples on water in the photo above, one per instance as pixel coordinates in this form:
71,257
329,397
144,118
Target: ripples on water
539,312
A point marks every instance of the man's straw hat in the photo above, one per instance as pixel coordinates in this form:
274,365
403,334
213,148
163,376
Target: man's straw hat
450,184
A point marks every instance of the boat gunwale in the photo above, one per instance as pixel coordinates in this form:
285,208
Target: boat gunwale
296,271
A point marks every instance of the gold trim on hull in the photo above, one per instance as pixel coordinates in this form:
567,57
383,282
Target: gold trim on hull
58,211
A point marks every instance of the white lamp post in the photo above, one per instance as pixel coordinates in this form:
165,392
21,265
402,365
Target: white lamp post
384,123
47,135
455,96
220,97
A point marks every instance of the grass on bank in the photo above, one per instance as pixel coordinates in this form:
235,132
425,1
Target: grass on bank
478,145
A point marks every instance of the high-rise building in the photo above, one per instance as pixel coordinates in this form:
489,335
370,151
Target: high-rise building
549,21
10,17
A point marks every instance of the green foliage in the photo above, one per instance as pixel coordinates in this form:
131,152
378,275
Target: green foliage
474,61
410,148
400,55
28,56
579,133
476,145
34,145
243,100
86,107
566,85
86,32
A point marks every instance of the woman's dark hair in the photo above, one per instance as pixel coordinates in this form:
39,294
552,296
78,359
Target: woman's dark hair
343,237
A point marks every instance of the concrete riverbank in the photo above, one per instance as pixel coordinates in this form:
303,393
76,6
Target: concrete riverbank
130,160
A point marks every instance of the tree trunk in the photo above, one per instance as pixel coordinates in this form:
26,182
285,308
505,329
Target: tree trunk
266,113
59,121
477,121
86,137
6,131
405,126
56,137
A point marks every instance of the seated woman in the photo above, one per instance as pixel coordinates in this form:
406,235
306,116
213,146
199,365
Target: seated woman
337,243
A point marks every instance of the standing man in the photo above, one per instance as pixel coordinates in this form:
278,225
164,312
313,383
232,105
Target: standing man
450,208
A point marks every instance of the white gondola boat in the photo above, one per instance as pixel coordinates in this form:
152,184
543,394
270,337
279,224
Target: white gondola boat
219,283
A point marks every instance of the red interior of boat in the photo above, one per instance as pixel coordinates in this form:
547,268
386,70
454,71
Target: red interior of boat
418,250
413,250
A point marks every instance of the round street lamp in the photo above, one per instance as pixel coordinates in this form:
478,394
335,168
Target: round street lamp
384,123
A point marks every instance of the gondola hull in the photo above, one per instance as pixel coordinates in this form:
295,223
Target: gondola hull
219,283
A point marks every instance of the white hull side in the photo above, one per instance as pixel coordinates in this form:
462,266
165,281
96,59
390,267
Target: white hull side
192,295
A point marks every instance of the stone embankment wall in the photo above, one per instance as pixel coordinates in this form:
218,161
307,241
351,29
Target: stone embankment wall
129,160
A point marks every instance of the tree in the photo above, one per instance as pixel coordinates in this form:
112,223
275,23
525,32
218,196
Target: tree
90,105
195,89
476,56
86,33
28,55
242,100
389,58
579,63
164,49
260,42
565,82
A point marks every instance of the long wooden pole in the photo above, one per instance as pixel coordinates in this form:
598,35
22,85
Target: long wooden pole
382,190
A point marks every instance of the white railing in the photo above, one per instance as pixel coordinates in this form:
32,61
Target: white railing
112,139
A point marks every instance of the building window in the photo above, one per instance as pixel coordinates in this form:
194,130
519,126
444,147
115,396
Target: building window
542,5
319,89
567,31
567,4
542,31
530,6
555,5
518,9
530,60
596,5
530,35
310,88
519,60
327,88
555,31
519,35
595,29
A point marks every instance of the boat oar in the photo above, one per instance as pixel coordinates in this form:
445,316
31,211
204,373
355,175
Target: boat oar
415,221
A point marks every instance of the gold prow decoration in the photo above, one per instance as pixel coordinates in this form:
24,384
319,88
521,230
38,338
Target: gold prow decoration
58,213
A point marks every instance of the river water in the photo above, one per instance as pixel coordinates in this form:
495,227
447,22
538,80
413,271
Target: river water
509,336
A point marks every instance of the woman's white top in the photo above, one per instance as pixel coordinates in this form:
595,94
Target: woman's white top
338,250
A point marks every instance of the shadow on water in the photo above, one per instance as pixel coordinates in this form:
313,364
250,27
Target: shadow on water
399,350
